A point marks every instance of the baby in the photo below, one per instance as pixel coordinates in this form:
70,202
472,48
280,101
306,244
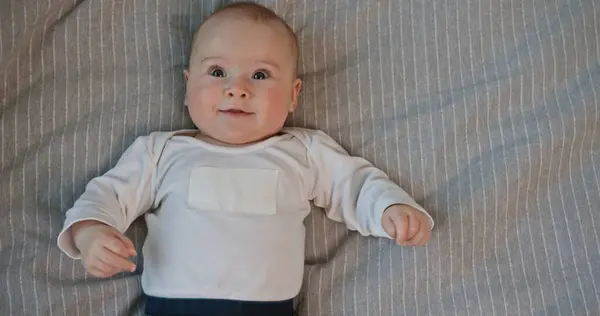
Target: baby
225,204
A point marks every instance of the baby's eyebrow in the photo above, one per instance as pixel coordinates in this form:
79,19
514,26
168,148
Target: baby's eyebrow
210,58
263,62
272,65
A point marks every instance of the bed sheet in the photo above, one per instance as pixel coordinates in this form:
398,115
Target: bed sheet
486,111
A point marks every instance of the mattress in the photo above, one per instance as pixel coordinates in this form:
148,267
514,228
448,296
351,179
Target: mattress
485,111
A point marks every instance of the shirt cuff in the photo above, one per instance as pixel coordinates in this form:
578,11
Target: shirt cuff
65,241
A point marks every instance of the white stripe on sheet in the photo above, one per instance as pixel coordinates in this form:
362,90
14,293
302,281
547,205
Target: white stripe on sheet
10,173
554,68
571,167
587,196
38,152
530,158
546,254
519,170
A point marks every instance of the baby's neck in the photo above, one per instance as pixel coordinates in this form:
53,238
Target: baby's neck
213,141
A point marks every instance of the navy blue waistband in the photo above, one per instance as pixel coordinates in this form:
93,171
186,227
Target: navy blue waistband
158,306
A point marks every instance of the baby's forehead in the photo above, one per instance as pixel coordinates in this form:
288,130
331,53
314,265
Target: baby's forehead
211,26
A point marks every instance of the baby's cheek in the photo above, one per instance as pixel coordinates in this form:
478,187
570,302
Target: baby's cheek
277,96
200,104
206,97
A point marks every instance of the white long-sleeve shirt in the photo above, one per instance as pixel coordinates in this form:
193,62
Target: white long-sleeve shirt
228,222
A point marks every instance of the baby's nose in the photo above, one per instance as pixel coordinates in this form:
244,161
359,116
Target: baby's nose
238,89
237,93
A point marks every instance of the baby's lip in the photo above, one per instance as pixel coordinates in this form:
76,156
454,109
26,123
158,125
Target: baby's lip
235,111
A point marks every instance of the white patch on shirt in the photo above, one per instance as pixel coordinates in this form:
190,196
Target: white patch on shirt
249,191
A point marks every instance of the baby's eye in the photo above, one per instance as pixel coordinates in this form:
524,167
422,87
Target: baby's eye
260,75
217,72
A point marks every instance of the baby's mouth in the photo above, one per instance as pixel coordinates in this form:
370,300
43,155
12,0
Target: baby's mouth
235,112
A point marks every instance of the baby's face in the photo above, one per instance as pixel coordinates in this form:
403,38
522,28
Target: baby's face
241,82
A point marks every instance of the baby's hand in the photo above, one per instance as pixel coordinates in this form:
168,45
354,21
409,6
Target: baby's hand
407,225
104,250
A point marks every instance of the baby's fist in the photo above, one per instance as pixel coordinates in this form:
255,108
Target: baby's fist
407,225
104,250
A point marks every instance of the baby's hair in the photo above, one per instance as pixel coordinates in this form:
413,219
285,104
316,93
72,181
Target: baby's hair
258,13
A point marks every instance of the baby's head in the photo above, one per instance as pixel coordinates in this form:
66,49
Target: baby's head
242,77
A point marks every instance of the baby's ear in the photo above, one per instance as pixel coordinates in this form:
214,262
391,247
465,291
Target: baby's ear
295,94
186,74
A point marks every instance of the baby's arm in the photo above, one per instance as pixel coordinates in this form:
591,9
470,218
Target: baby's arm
114,199
353,191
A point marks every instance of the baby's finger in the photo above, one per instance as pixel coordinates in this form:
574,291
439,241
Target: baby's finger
116,245
116,261
105,268
421,238
388,226
401,222
413,225
128,244
96,272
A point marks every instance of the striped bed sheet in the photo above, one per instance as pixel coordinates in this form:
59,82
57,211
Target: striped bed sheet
486,111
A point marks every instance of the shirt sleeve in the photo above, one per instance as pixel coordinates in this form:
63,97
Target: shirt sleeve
352,190
115,198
